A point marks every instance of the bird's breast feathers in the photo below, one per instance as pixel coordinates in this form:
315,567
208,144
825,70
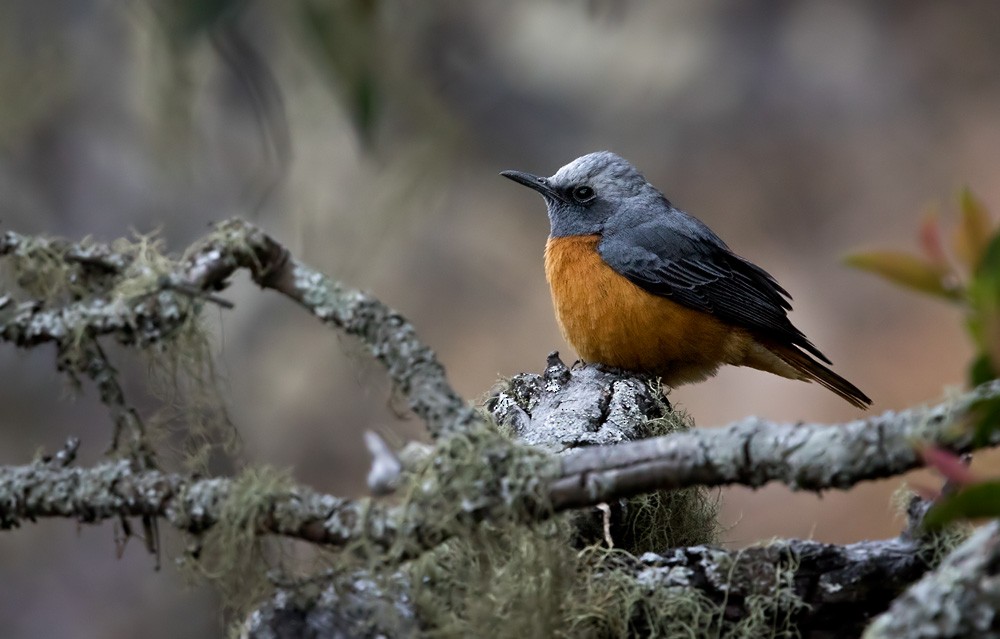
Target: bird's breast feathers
610,320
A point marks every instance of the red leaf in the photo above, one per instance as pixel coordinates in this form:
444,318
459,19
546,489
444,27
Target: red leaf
948,464
931,239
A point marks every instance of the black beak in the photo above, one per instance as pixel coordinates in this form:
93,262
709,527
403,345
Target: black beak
533,182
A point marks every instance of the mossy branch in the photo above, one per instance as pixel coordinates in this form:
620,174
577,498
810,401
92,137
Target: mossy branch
781,589
819,582
433,511
152,307
115,489
961,598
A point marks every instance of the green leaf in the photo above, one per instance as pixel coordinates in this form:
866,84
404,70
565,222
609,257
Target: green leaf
984,301
971,502
907,270
985,417
981,370
348,48
974,231
989,263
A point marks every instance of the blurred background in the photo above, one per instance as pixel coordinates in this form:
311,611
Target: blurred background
367,135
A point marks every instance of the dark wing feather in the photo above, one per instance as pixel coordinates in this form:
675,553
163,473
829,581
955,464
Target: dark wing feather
678,257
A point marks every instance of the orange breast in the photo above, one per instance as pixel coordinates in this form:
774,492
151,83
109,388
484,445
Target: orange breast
610,320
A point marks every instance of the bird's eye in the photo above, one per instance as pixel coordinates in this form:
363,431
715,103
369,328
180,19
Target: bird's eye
583,194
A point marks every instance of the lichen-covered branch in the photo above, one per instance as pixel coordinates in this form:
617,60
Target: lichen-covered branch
785,588
562,409
567,410
813,584
119,489
435,509
754,451
86,290
960,598
820,590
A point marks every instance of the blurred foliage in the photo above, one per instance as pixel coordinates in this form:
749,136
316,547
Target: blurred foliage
187,19
969,276
33,79
340,36
971,502
345,38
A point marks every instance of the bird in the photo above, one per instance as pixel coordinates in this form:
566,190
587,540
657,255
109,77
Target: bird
639,285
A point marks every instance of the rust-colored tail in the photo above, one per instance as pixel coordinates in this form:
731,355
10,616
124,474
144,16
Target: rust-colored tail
813,370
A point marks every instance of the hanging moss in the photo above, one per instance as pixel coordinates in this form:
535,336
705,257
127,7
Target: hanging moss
232,555
466,474
660,520
505,578
126,279
500,580
524,582
182,375
608,600
771,608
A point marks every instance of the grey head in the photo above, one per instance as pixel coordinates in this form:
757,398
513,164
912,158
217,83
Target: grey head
591,190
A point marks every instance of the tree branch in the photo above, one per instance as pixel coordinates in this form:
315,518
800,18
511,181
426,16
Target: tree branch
826,590
750,452
961,598
823,591
119,489
753,452
122,488
167,301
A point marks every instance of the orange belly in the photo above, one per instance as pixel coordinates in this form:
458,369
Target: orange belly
610,320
